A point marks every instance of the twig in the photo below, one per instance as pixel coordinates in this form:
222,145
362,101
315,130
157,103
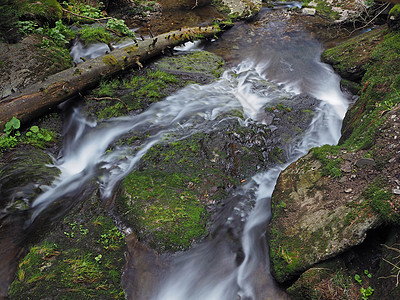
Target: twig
377,15
110,98
195,5
391,248
389,262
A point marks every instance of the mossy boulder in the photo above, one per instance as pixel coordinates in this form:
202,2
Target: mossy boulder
327,202
380,84
315,217
81,257
352,58
180,186
394,17
44,10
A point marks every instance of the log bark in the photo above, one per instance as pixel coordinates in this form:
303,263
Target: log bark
38,98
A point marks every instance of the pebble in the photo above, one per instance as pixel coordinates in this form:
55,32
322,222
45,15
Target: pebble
396,191
347,191
308,11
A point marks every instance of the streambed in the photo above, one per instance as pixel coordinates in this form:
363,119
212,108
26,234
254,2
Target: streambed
270,61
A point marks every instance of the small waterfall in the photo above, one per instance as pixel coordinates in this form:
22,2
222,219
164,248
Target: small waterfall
210,271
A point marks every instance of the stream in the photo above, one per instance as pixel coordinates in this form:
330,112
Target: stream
286,59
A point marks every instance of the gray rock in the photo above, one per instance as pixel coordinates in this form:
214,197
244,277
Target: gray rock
365,162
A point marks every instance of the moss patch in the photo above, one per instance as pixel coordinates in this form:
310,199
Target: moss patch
165,213
82,258
94,34
49,10
137,90
110,60
201,62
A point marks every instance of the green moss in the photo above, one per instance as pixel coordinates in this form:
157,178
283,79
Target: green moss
131,50
46,9
133,92
380,199
110,60
329,156
326,10
85,263
94,34
201,62
395,11
170,216
353,57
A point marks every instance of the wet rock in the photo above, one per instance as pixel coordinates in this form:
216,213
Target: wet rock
317,217
81,255
190,177
352,64
23,174
315,224
201,66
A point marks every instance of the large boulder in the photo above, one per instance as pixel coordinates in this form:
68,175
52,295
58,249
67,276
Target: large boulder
327,202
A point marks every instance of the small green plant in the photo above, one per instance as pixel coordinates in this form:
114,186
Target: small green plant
10,138
79,8
98,258
111,238
357,277
366,273
60,35
12,126
27,27
366,293
120,27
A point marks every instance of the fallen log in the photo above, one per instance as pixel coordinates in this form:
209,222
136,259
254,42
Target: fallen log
38,98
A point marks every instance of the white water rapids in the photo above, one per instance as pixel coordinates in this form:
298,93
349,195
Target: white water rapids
210,270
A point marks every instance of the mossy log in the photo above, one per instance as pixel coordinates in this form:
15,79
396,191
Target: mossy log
38,98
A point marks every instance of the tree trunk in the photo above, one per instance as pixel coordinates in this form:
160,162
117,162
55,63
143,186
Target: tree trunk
38,98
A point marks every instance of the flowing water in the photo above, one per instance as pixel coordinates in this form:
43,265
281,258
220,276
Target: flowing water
268,50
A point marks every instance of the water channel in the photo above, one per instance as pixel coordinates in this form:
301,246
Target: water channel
269,49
